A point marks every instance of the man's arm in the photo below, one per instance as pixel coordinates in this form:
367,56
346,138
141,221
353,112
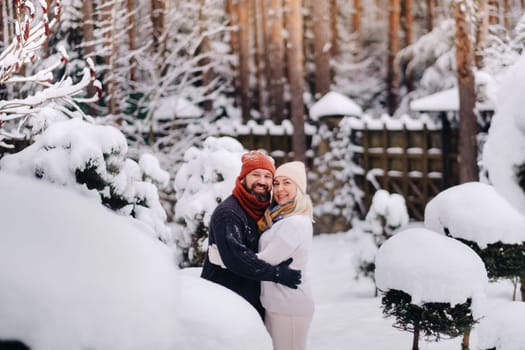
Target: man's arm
241,260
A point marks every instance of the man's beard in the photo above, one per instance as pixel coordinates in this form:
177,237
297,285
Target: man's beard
261,197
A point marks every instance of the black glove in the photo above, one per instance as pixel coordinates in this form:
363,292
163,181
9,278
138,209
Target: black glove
287,276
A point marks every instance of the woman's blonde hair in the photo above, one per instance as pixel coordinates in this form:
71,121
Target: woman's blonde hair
303,205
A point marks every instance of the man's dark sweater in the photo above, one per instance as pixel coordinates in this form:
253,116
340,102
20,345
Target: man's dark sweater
236,235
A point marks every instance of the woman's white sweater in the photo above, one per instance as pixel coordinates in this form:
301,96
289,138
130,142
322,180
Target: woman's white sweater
288,237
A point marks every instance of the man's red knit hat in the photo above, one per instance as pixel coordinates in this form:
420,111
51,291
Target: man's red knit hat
256,160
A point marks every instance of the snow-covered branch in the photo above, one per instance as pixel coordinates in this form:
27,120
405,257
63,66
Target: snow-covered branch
30,37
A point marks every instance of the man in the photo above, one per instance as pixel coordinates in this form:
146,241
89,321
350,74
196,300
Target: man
233,231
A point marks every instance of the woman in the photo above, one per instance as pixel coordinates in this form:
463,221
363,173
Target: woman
287,233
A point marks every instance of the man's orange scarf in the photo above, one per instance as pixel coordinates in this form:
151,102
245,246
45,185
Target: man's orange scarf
248,201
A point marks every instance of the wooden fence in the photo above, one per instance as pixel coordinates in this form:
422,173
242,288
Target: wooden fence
414,159
416,163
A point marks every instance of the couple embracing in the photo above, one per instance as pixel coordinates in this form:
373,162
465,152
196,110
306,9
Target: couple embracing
259,246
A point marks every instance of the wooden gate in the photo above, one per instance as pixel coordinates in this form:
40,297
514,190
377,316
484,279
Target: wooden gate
416,160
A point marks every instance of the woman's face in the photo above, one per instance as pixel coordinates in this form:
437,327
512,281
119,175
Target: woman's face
284,189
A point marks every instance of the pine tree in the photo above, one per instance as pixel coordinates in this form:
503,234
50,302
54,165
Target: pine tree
502,260
429,319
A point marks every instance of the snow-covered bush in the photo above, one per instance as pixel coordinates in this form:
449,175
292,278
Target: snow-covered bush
387,213
431,283
92,159
337,197
477,215
75,275
206,177
506,137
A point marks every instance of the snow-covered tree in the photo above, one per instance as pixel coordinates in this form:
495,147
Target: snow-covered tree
76,154
92,159
41,88
387,213
429,62
426,293
206,177
337,197
507,136
360,63
494,230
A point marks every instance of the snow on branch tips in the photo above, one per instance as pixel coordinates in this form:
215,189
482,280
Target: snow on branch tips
31,33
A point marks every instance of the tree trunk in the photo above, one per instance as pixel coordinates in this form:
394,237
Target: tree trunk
107,13
204,49
431,15
88,38
356,28
493,12
158,20
258,56
506,14
294,51
276,57
333,28
113,85
87,27
132,37
466,340
243,8
481,33
231,9
3,17
468,127
522,288
265,56
321,28
415,339
392,79
408,23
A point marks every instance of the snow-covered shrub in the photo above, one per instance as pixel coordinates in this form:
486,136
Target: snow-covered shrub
337,197
430,283
490,226
387,213
75,275
206,177
92,159
503,154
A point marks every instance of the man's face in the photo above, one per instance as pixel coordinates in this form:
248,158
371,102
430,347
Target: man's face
259,183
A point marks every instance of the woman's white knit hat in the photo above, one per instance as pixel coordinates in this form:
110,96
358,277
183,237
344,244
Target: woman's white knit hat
295,171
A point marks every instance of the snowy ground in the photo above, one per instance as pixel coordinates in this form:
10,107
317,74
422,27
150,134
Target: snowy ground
347,313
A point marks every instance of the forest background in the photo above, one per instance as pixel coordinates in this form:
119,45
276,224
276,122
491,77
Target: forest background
152,64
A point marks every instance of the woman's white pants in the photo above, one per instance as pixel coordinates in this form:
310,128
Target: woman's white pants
287,332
